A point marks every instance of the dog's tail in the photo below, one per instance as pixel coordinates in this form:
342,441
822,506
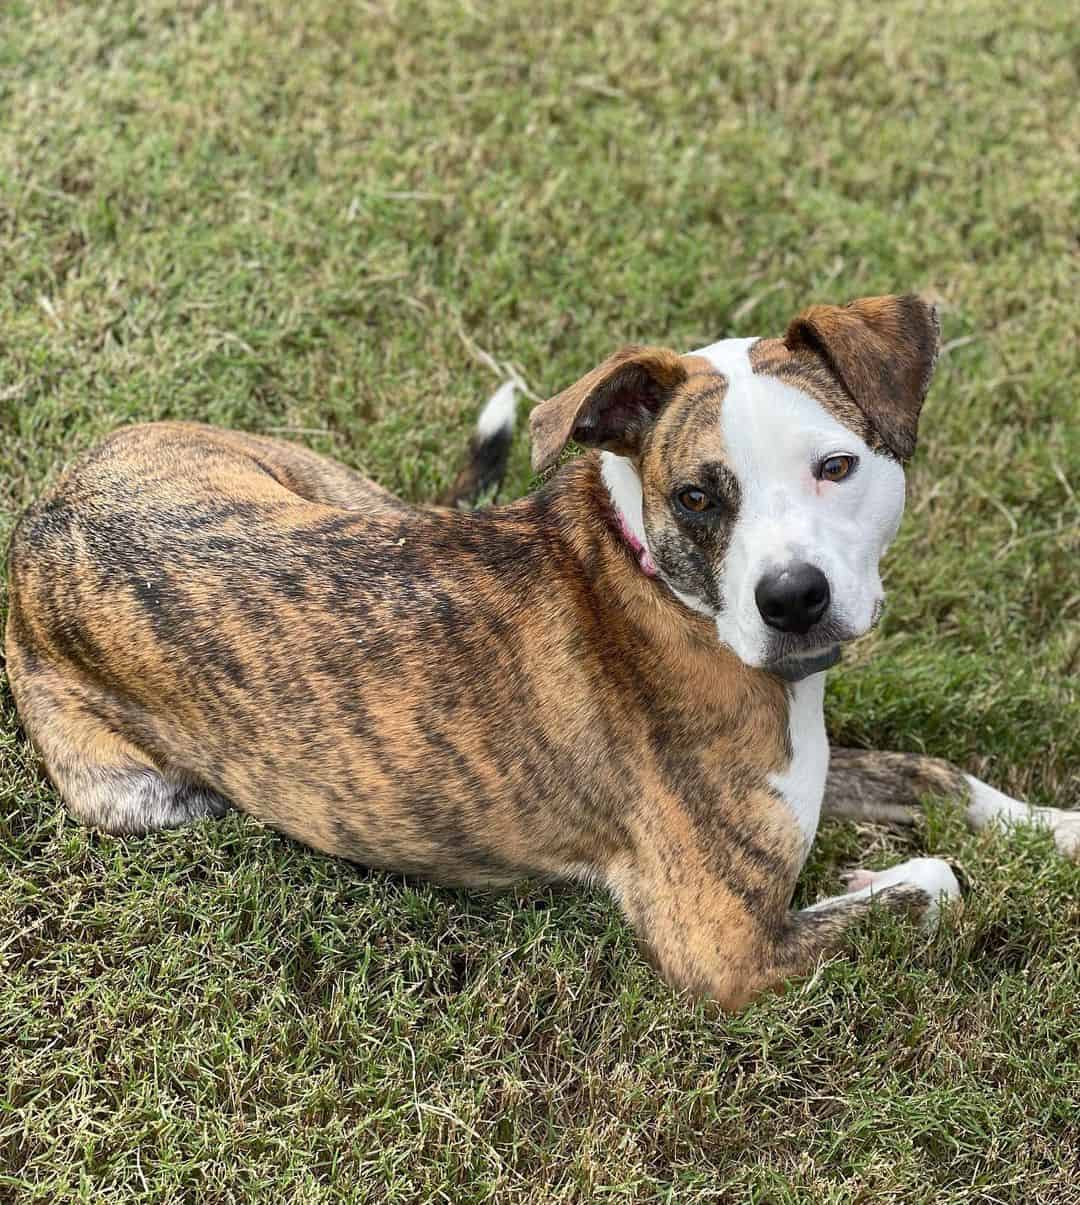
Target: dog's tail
489,449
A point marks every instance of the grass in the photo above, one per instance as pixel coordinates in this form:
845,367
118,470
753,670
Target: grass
318,218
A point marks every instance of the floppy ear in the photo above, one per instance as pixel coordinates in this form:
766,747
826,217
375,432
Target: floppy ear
610,407
883,350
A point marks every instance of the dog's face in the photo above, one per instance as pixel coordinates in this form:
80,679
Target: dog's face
764,476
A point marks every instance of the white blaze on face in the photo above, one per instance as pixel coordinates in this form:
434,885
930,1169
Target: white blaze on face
775,436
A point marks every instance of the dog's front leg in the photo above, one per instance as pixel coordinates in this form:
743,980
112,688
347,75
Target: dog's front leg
714,916
888,788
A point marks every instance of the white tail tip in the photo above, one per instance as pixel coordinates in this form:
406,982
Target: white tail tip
498,413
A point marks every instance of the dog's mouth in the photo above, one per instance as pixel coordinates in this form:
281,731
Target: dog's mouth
802,665
793,657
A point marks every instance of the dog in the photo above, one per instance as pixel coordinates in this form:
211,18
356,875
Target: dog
616,680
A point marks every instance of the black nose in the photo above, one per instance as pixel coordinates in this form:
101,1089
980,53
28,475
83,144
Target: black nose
793,599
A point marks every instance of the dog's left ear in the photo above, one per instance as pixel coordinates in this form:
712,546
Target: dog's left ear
883,350
610,407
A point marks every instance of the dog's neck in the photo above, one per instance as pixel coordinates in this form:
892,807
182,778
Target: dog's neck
595,503
623,485
803,715
624,490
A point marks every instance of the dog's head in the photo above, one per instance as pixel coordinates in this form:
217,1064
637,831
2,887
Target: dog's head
764,476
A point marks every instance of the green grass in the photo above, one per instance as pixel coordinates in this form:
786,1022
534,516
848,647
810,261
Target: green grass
318,217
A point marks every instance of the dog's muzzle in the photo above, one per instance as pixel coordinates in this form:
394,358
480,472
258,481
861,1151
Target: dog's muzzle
793,602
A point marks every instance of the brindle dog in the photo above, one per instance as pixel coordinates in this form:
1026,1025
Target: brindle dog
618,679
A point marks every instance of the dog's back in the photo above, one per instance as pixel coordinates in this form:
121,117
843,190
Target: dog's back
201,616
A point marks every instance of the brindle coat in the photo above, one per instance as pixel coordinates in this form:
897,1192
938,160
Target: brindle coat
201,617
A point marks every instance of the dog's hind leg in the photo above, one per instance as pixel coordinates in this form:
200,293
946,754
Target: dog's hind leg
132,798
888,788
104,779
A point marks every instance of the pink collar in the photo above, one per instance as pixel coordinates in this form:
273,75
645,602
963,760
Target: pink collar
644,559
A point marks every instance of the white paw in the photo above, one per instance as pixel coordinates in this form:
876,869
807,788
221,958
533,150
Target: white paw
1066,829
856,880
989,806
932,875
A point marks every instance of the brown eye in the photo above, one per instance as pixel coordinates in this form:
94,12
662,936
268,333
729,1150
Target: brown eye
836,468
694,500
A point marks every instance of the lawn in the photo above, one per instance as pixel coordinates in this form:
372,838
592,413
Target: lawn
328,220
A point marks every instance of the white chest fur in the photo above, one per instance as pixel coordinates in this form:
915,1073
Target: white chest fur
802,784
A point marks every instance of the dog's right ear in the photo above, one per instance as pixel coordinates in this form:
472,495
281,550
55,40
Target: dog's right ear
883,349
611,407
